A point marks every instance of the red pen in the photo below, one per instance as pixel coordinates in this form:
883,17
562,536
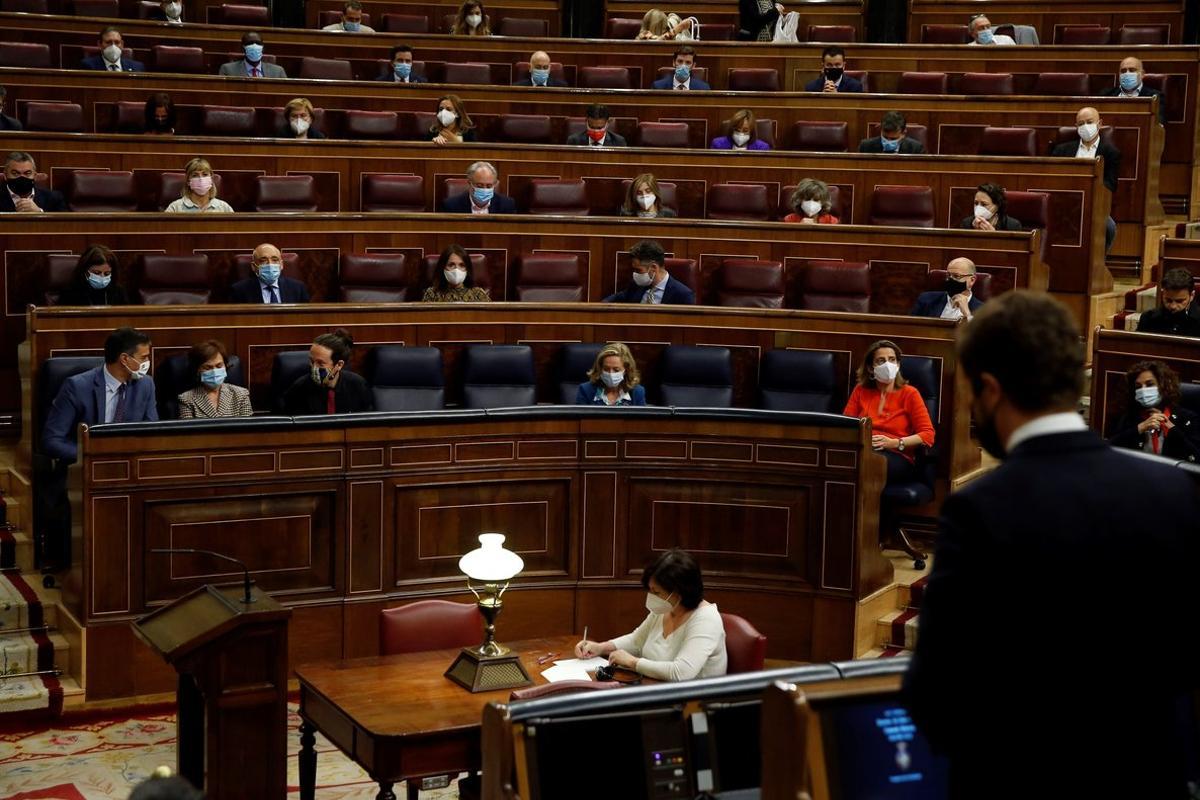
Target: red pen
546,658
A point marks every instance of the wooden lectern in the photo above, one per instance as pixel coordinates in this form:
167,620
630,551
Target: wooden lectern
231,657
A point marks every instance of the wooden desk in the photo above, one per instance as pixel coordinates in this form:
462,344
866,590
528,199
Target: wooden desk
398,717
1048,16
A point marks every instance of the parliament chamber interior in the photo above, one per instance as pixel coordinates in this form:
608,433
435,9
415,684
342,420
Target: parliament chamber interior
263,553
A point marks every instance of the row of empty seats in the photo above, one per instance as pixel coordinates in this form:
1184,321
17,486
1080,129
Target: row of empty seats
1090,34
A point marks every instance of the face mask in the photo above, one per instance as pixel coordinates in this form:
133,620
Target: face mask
213,378
474,19
887,371
540,77
455,277
646,201
1148,396
982,212
810,208
140,372
891,145
986,36
989,437
253,53
612,379
740,138
954,287
643,278
268,274
22,186
682,73
834,73
318,374
112,54
98,281
1088,131
656,605
200,184
173,10
1129,81
597,134
162,124
446,117
482,196
300,125
352,27
402,70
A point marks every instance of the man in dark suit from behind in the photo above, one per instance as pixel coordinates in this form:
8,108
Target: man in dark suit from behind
956,301
1081,699
20,194
539,72
110,58
893,137
1091,145
833,77
481,196
681,79
652,284
7,123
401,70
1177,313
1131,83
597,133
268,284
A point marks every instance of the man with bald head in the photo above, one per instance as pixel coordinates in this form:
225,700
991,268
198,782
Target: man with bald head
1090,145
267,285
539,72
1130,83
954,301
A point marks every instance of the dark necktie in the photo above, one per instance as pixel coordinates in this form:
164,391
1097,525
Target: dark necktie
254,72
114,68
274,294
119,415
330,403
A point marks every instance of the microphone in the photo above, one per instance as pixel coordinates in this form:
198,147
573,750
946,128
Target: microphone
246,598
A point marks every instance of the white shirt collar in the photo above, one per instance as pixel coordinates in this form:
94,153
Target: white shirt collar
1062,422
951,311
1137,90
110,383
686,84
662,284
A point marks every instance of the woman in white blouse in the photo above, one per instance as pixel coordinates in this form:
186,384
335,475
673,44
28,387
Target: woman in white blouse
682,638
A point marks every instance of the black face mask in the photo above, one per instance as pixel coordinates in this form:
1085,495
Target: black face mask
989,437
162,124
954,287
21,186
834,73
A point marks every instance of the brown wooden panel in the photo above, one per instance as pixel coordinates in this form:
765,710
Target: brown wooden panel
601,514
466,452
365,537
159,468
742,452
108,555
310,460
837,557
665,449
110,471
422,454
549,449
242,464
788,454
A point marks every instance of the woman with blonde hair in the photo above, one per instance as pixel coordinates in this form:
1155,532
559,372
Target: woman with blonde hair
667,25
613,379
451,125
298,117
644,199
471,20
199,193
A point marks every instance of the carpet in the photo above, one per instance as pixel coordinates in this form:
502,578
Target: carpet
24,647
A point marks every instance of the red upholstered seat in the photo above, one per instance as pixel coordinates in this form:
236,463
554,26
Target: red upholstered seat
907,206
524,128
684,270
329,69
473,74
561,687
923,83
227,120
551,278
129,116
843,34
862,76
170,188
101,190
745,647
174,280
429,625
372,124
982,288
146,9
1062,84
753,80
666,194
1082,34
1144,34
25,6
836,286
662,134
373,278
251,16
393,193
405,23
60,271
334,17
945,34
1008,142
738,201
822,137
521,71
747,283
976,83
25,54
285,193
623,28
716,32
554,196
56,117
170,58
1033,211
518,26
604,78
95,8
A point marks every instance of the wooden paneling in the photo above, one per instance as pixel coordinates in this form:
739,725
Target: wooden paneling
1114,352
1047,16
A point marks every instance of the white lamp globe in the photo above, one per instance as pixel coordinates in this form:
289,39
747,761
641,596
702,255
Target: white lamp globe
490,562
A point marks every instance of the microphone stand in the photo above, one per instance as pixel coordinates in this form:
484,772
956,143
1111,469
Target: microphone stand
246,598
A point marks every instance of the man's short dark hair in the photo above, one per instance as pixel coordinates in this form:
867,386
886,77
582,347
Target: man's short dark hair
1030,343
685,50
597,111
173,788
18,157
893,121
123,341
648,250
110,29
248,34
833,50
677,572
1174,280
400,48
352,5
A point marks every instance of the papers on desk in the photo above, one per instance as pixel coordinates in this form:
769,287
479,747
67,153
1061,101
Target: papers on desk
573,669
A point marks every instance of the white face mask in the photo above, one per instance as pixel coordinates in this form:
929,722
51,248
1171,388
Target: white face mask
455,277
657,605
646,201
141,372
446,117
1088,131
300,124
982,212
1147,396
612,379
643,278
740,138
810,208
112,54
887,371
474,19
173,10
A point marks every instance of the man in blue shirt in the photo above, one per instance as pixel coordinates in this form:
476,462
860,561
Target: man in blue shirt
652,284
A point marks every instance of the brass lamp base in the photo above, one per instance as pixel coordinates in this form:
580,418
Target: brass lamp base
478,672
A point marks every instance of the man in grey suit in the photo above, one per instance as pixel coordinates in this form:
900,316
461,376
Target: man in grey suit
252,66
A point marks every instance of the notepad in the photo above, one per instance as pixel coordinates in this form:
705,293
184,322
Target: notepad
573,669
595,662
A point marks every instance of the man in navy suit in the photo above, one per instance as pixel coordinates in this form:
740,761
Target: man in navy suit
1029,545
114,392
20,194
833,76
268,285
402,65
652,284
539,72
955,301
893,137
111,48
1131,83
481,196
682,80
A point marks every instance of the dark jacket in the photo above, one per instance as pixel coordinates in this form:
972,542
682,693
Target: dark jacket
1007,224
848,84
1111,155
1145,91
586,396
250,291
351,395
1182,442
46,200
84,295
663,212
8,123
668,82
1158,320
751,20
1070,509
82,399
674,294
612,139
286,132
461,204
908,146
552,81
390,77
98,63
930,304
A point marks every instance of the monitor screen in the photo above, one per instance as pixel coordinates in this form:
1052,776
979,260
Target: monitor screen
873,751
734,731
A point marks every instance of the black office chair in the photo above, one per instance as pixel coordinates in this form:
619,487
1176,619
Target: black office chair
406,378
697,376
575,360
498,376
924,373
172,379
286,369
797,380
1190,396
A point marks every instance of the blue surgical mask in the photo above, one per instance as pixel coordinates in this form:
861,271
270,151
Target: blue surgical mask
402,70
682,73
540,76
352,27
1147,396
1129,81
213,378
253,53
891,145
482,196
986,36
269,274
98,281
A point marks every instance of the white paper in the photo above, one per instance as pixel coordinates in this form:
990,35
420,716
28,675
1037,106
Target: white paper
583,663
559,672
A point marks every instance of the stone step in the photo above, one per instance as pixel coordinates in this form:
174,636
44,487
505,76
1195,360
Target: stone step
14,511
23,556
885,629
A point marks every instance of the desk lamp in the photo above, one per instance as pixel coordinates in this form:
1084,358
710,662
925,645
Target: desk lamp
489,666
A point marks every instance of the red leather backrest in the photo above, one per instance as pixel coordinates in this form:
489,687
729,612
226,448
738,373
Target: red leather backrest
662,134
1144,34
842,34
945,34
745,647
102,190
977,83
333,69
429,625
910,206
372,124
823,137
373,269
738,201
604,78
286,193
1062,84
524,128
1008,142
405,23
923,83
473,74
1082,34
56,117
227,120
393,193
27,55
753,80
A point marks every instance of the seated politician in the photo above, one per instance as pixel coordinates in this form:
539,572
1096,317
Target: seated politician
743,134
982,33
681,79
112,392
811,203
681,638
198,194
7,123
833,77
160,115
652,284
597,133
990,212
329,388
451,125
1090,145
351,21
644,199
111,57
212,396
481,196
1130,83
169,11
539,72
1154,420
893,137
613,380
268,284
659,25
298,115
1177,313
401,67
955,302
252,66
454,280
94,281
471,20
20,193
899,420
